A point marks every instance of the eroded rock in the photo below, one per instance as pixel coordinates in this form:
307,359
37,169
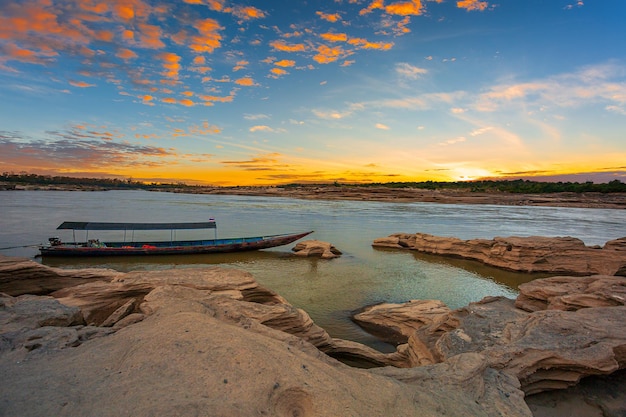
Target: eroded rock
23,276
316,248
559,255
244,357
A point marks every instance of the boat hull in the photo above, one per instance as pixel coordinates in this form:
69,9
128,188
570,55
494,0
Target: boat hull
172,248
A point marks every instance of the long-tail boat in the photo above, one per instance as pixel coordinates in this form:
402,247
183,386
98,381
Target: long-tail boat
94,247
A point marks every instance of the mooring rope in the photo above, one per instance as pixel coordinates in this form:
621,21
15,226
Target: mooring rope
22,246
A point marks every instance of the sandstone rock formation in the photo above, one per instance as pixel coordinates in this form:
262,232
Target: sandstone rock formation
23,276
544,348
558,255
572,293
317,248
212,342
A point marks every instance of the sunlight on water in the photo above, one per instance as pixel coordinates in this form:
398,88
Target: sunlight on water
327,289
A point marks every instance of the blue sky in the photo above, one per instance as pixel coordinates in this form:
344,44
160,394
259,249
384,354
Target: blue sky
238,93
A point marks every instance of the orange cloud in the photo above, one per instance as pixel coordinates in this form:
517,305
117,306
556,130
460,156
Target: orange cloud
126,54
247,12
285,63
199,60
376,4
124,11
240,65
224,99
150,36
405,8
278,71
326,54
282,46
81,84
208,38
365,44
171,63
334,37
329,17
186,102
472,5
169,100
245,81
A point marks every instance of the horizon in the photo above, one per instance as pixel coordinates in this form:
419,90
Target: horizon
227,93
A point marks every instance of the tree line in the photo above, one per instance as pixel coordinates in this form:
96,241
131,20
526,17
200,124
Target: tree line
508,186
105,183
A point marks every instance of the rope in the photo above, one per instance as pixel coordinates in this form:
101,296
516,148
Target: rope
23,246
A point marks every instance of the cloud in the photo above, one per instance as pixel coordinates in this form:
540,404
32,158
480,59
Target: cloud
285,63
126,54
255,116
410,71
79,149
404,8
587,86
245,81
81,84
208,37
266,162
171,64
334,37
261,128
326,54
329,17
471,5
382,126
453,141
280,45
365,44
277,72
247,12
330,114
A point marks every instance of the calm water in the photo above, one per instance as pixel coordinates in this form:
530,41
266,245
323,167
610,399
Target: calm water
327,289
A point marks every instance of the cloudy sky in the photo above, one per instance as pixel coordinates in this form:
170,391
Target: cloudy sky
269,92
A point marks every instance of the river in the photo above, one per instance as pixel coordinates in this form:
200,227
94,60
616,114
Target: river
327,289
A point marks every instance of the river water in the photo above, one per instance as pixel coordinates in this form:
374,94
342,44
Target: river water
327,289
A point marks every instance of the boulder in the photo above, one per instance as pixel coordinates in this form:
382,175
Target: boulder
558,255
316,248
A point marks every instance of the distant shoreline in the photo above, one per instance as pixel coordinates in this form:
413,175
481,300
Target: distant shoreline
388,194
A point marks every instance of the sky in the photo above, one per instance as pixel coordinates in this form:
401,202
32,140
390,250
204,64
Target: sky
227,93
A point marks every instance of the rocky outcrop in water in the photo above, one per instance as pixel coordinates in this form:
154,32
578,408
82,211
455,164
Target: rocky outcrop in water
555,255
212,342
316,248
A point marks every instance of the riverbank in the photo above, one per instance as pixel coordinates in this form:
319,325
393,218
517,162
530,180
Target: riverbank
413,195
386,194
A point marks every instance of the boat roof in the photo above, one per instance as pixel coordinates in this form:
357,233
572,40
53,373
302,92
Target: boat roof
136,226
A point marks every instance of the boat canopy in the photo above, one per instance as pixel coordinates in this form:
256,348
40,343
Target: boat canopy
136,226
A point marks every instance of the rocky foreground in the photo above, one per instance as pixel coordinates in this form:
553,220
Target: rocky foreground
213,342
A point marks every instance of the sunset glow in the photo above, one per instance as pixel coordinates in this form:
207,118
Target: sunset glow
224,93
